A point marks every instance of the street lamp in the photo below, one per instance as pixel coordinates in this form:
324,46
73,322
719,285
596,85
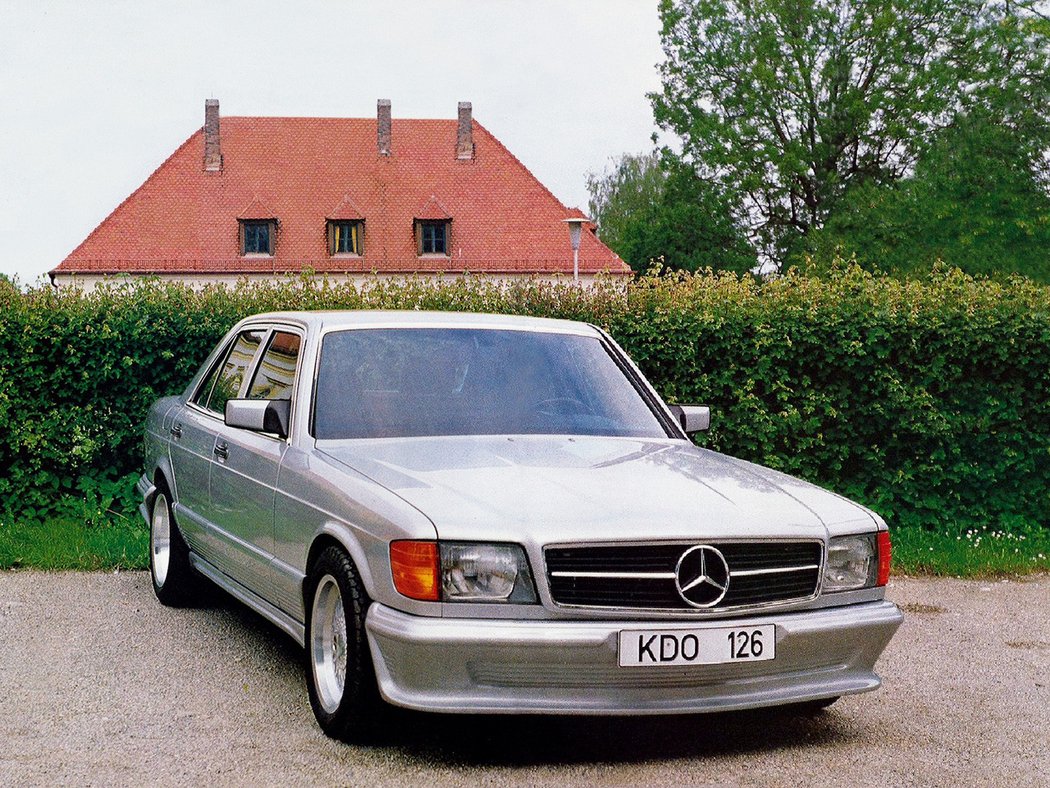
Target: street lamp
575,226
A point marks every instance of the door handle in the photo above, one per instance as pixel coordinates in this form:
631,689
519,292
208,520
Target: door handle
222,450
176,431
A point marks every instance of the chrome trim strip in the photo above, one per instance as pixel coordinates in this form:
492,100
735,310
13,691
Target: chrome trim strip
687,611
469,321
671,575
774,571
623,575
693,540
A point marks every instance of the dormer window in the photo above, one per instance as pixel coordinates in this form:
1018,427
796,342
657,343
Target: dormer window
257,236
432,236
433,224
346,237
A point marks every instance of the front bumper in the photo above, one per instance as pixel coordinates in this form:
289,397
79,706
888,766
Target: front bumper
570,667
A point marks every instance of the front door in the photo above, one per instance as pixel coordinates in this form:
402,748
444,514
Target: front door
244,473
201,424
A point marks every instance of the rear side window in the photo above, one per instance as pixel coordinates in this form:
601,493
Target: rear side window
225,380
276,373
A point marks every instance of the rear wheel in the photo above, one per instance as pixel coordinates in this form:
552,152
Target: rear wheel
174,581
340,676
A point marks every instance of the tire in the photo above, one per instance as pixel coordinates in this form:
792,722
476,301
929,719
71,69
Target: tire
175,582
339,672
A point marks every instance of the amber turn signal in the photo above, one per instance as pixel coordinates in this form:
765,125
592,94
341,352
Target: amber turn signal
884,553
416,570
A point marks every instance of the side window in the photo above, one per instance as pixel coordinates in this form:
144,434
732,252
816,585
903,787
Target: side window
225,380
201,397
276,373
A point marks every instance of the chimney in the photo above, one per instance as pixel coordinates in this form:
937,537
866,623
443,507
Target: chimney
212,150
464,135
383,126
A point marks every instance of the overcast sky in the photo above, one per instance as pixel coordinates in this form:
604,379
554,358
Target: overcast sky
95,95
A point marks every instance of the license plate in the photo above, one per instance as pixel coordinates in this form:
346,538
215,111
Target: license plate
640,647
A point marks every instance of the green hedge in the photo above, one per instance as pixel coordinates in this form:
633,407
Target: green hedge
929,401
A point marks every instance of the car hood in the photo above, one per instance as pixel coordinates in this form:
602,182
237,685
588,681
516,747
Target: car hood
547,489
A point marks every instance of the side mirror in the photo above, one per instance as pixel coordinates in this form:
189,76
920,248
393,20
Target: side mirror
259,415
692,418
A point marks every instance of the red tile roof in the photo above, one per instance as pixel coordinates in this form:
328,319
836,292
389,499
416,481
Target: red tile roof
302,171
432,210
257,209
346,210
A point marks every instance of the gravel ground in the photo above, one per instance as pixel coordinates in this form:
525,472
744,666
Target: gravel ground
100,685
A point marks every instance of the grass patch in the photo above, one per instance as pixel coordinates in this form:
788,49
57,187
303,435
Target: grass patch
986,552
68,543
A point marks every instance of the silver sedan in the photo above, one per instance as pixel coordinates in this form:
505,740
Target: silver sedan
481,513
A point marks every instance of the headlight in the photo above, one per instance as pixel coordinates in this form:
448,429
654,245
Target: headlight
485,572
462,572
851,563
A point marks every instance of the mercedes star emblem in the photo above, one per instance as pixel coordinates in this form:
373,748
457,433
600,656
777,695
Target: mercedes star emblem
702,576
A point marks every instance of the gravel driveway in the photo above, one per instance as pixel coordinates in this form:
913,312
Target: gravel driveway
99,684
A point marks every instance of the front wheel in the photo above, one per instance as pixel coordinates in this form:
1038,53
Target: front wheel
343,690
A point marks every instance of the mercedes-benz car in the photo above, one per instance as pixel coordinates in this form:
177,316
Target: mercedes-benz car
481,513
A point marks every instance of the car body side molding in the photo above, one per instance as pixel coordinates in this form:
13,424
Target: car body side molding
275,616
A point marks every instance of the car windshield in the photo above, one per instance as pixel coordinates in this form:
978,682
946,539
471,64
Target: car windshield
407,382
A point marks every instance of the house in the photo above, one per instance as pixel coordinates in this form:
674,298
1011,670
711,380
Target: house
257,197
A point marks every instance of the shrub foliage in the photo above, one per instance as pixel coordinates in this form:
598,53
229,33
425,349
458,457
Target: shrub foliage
927,400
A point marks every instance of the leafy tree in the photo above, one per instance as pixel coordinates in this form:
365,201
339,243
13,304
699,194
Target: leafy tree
1006,73
974,202
791,103
647,213
633,186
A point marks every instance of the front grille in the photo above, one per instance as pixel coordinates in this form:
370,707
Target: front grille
608,576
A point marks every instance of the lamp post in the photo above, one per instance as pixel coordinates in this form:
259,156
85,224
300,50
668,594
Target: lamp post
575,226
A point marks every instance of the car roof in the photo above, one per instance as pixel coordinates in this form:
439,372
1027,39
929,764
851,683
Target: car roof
327,320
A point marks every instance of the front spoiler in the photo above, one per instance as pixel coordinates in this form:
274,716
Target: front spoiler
570,667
